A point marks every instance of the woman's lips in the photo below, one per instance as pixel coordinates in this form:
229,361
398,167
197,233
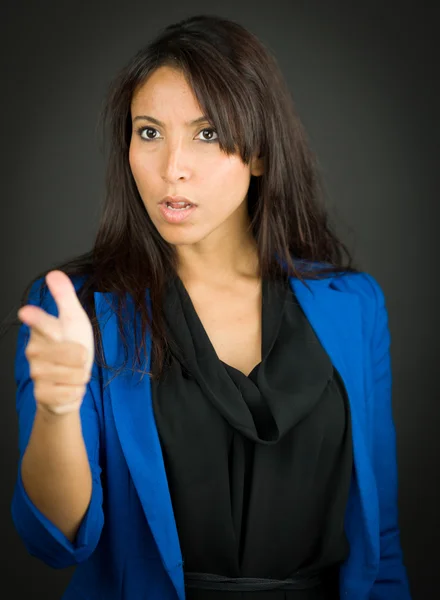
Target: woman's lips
177,215
176,199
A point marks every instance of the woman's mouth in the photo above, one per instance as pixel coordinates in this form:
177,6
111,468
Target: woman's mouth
176,212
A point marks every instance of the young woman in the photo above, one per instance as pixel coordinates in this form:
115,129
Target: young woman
204,399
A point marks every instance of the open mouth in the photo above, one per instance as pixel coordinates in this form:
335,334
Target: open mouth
178,205
176,212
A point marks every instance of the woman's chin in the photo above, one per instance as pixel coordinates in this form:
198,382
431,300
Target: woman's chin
179,237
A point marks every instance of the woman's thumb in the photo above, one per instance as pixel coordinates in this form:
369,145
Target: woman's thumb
64,294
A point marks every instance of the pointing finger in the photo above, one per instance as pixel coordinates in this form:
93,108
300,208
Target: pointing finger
45,324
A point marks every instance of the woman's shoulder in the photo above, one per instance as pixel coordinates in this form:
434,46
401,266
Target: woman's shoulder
365,287
360,283
370,297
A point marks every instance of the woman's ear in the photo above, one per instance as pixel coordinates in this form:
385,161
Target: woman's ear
257,167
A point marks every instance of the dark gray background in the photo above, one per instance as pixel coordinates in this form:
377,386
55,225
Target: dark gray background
364,77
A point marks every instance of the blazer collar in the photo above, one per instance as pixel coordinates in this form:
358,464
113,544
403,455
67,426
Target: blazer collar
335,316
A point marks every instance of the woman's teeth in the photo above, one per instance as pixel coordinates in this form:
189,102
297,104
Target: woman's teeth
178,205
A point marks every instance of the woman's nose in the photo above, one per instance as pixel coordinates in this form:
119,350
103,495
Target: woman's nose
176,163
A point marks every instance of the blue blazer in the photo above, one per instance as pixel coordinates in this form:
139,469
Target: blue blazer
127,546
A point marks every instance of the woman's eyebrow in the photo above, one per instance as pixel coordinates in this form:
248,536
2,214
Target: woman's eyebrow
157,122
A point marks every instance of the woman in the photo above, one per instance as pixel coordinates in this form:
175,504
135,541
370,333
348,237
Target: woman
257,458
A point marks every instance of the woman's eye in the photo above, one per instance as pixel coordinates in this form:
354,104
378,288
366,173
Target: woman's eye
210,131
146,130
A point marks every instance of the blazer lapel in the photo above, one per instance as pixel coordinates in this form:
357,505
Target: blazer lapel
336,318
132,407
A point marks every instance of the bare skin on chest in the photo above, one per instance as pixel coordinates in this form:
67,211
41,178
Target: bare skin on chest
231,318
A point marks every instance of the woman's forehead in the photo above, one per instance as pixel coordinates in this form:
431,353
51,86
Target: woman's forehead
163,81
167,90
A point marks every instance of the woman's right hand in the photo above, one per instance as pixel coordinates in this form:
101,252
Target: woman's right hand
60,350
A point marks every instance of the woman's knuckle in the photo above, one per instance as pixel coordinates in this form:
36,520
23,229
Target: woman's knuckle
29,351
80,391
79,378
72,377
82,355
75,392
68,392
39,390
34,370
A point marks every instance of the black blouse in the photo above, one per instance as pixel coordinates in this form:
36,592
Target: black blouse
258,466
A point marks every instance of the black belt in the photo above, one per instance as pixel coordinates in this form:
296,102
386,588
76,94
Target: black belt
208,581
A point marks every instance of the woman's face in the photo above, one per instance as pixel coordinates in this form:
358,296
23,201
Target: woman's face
180,158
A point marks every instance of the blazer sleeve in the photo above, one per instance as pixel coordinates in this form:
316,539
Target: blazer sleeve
391,582
40,536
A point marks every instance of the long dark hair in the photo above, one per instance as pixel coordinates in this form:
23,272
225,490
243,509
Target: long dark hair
240,88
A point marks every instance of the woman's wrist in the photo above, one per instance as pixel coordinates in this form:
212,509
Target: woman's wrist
50,411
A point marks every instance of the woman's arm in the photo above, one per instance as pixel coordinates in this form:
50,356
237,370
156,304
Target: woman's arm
53,528
392,581
55,470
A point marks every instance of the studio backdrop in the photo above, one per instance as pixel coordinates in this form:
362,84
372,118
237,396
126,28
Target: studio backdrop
364,79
